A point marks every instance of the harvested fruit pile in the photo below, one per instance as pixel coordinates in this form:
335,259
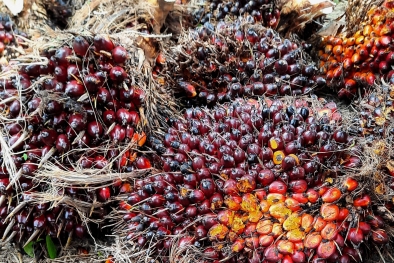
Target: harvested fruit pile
260,11
249,61
248,181
79,111
11,40
361,60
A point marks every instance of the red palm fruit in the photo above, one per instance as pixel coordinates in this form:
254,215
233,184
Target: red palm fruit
289,162
355,235
260,194
142,163
103,194
298,257
350,184
250,229
62,143
365,227
80,46
238,245
225,217
380,237
375,221
246,184
74,89
329,232
265,177
103,43
216,201
298,186
233,202
312,240
119,55
271,254
278,187
266,240
362,201
332,195
343,214
252,242
292,204
329,212
326,249
300,197
230,187
312,195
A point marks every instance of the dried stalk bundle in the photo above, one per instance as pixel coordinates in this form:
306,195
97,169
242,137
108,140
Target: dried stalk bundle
357,12
302,17
31,14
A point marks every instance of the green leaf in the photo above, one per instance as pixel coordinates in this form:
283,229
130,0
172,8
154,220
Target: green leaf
51,247
29,249
24,156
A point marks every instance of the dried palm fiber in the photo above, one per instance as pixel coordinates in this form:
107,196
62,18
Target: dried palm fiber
357,12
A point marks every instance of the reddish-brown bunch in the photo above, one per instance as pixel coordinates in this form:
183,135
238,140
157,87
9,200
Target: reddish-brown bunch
260,11
78,111
11,45
216,64
354,62
254,182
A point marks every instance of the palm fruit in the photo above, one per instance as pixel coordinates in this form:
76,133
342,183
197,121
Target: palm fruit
11,40
260,11
249,181
361,60
249,61
78,111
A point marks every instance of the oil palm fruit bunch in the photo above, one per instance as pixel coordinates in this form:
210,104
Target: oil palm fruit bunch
11,45
77,111
264,12
216,64
358,61
253,181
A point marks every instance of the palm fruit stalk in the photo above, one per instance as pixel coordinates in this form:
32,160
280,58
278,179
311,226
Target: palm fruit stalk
75,109
352,63
218,63
254,181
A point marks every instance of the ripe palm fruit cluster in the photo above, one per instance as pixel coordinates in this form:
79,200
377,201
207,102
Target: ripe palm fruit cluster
249,182
78,111
354,62
10,42
259,11
236,60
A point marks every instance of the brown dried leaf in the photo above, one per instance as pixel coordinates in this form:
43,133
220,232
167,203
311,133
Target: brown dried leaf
160,12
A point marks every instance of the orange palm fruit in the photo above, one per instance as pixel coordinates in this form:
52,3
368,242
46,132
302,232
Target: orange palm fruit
264,227
285,247
274,198
307,222
319,223
367,30
238,245
329,232
332,195
350,184
329,212
312,240
337,50
363,201
326,249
